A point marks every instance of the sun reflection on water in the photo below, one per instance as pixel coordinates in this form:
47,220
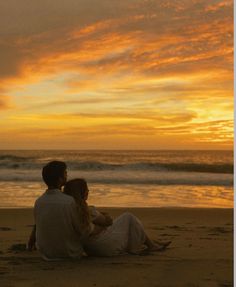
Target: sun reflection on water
24,194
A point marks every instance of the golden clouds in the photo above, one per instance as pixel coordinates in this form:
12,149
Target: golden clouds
4,102
146,68
130,42
220,5
216,131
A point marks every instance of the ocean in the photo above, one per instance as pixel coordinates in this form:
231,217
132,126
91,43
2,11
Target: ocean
125,178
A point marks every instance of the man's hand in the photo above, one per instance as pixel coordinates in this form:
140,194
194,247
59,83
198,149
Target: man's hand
31,244
32,240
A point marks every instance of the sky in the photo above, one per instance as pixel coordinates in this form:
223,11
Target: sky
107,74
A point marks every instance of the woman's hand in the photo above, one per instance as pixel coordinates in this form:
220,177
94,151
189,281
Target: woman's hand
108,218
103,219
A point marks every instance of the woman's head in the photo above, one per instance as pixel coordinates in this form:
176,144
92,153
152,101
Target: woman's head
77,188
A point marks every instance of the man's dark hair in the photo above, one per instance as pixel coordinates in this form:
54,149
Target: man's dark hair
52,172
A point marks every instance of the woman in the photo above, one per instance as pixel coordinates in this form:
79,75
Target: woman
125,235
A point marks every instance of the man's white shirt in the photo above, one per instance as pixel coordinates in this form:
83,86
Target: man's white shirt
58,228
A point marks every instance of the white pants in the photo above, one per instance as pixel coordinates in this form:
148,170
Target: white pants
126,234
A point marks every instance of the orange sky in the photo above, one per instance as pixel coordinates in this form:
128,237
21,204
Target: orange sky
107,74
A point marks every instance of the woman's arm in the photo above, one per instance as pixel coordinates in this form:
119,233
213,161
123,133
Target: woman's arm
97,229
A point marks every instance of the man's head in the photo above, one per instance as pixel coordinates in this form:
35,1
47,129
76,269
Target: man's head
54,174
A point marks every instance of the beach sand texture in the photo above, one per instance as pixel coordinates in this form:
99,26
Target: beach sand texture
201,253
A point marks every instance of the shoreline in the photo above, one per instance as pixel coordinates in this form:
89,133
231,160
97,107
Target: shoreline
23,195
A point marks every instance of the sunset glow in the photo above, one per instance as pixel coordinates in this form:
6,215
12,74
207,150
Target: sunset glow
116,74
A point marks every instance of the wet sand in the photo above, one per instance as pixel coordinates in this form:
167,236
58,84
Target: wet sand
201,253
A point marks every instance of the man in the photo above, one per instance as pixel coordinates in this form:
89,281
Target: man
58,232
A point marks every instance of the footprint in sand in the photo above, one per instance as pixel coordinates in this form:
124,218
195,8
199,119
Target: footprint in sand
201,227
179,228
209,238
167,234
48,268
14,263
219,230
5,229
158,228
4,272
16,248
225,285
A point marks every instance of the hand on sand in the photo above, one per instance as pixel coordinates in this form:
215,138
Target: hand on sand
31,244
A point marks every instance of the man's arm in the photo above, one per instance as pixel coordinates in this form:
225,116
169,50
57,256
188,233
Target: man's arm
32,240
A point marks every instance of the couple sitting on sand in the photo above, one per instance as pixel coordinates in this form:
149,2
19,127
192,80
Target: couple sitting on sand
65,226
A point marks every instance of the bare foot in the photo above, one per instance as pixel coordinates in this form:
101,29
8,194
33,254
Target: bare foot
142,252
159,246
165,243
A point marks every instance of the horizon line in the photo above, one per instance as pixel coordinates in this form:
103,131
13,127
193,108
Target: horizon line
91,149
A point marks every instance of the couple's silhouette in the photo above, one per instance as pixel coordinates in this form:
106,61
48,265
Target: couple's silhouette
66,226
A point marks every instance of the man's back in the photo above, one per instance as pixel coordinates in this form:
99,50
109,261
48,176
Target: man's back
57,226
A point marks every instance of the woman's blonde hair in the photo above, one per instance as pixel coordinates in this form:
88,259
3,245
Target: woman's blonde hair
77,189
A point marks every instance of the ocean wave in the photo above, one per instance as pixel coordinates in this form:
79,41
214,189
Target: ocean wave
13,158
13,162
128,177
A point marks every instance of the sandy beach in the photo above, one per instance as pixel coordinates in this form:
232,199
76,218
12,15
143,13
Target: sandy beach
201,253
